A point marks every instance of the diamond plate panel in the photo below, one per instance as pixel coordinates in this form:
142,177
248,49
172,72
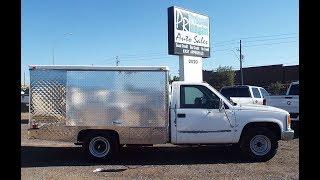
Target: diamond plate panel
48,96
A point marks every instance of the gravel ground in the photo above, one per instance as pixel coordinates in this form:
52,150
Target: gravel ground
55,160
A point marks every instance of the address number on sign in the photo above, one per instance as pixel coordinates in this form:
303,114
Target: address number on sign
193,61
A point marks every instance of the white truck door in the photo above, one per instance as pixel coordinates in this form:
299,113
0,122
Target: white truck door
199,119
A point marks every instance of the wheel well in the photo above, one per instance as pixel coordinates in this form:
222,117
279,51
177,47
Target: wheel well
84,133
274,127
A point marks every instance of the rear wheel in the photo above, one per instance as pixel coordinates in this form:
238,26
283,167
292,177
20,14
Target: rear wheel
100,146
259,144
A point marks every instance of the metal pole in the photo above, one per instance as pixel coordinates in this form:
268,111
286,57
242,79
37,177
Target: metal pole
241,72
117,61
54,43
24,79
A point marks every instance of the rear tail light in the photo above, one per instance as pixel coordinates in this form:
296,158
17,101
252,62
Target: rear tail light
264,102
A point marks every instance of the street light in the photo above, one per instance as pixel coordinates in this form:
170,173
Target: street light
65,34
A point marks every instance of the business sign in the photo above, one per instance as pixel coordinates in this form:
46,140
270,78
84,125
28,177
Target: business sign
188,33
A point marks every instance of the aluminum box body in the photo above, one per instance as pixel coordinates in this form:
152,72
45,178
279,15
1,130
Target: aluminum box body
130,100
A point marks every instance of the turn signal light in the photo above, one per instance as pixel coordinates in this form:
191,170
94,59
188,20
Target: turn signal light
289,120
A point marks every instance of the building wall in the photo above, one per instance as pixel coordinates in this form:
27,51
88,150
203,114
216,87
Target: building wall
263,75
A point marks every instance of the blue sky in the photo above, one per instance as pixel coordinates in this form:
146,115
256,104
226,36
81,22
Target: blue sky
136,32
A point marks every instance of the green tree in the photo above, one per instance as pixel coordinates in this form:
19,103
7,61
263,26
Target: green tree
223,76
276,88
174,78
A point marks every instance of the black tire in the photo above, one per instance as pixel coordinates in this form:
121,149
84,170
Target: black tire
100,146
259,144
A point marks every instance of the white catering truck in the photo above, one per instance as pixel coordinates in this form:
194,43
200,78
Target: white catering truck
103,108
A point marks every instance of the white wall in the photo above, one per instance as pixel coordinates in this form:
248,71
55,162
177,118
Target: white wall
190,68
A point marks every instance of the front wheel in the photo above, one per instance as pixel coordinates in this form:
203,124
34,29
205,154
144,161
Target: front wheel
259,144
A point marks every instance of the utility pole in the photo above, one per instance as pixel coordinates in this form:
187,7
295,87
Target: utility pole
117,61
241,72
53,46
24,79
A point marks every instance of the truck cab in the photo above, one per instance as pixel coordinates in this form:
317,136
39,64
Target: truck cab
197,112
201,115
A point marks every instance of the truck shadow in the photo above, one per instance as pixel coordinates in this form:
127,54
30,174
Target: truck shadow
74,156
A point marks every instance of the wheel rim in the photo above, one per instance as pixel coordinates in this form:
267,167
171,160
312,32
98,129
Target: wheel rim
260,145
99,147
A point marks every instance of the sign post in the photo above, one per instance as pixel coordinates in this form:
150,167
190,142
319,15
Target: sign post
190,68
188,37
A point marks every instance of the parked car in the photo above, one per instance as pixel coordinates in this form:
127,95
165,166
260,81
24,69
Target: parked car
288,102
245,94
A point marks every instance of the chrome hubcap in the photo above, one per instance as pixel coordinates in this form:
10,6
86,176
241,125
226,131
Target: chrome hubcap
99,147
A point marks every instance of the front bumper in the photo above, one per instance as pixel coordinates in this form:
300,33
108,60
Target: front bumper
287,135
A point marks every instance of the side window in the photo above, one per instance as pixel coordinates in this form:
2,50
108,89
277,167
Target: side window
196,96
264,92
256,93
294,89
243,92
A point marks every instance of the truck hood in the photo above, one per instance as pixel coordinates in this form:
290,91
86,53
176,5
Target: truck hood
257,107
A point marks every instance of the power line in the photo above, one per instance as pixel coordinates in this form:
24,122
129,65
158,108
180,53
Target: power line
259,40
222,42
253,37
271,39
158,55
226,44
270,43
140,59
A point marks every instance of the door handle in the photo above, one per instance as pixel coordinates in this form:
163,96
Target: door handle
181,115
116,122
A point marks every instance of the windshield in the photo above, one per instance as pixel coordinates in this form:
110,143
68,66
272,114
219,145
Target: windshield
235,92
222,96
